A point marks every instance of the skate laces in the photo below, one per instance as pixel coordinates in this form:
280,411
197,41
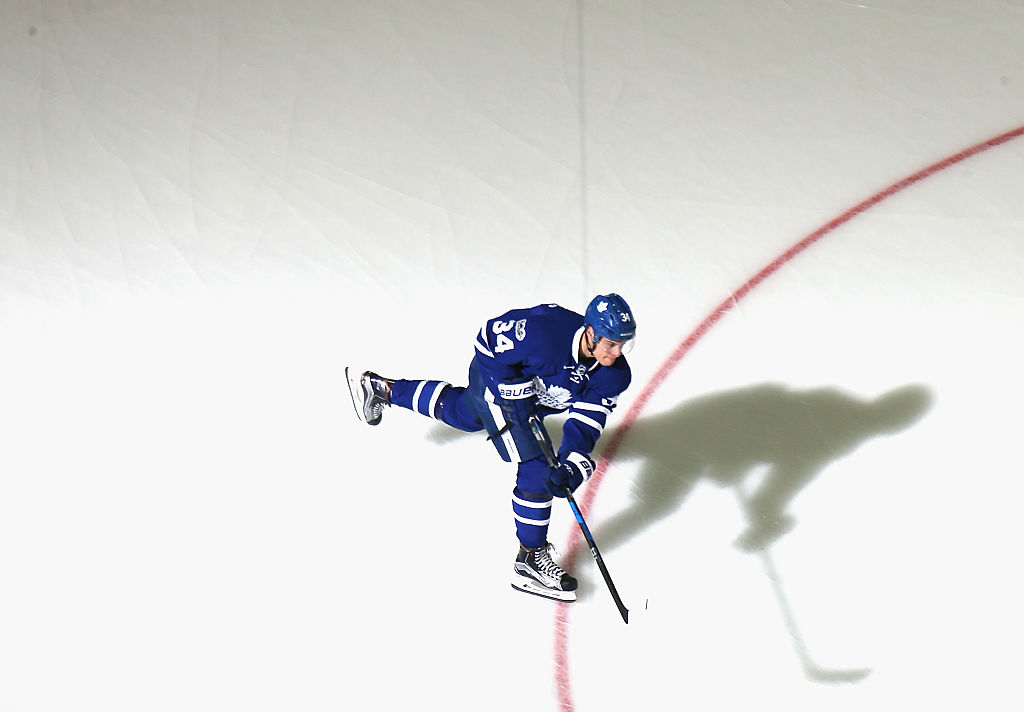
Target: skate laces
545,564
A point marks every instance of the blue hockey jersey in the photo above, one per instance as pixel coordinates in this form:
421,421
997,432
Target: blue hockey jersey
543,342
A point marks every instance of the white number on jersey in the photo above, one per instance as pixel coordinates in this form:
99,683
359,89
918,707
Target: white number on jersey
503,343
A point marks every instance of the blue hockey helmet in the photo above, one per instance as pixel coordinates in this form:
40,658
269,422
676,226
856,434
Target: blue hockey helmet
611,318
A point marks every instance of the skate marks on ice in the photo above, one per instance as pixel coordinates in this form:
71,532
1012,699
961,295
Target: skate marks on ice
791,436
770,438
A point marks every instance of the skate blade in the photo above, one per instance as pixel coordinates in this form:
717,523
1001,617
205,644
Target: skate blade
355,391
528,585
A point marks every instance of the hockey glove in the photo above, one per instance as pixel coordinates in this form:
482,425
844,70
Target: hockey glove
575,469
517,400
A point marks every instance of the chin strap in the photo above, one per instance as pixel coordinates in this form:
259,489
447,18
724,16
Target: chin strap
590,345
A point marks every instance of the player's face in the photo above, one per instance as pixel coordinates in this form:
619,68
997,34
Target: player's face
604,350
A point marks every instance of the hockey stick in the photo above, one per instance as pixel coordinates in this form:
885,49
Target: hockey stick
545,445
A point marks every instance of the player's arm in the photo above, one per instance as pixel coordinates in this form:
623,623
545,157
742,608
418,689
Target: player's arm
580,434
588,415
584,426
502,356
496,353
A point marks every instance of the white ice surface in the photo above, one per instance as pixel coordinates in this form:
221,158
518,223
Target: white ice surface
208,209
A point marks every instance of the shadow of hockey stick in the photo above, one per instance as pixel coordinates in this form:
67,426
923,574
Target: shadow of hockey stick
812,670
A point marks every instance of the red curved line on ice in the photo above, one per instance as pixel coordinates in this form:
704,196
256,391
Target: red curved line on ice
562,676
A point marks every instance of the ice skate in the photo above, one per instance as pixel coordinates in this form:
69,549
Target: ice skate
537,573
370,393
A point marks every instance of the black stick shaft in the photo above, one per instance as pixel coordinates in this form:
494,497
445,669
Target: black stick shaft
545,444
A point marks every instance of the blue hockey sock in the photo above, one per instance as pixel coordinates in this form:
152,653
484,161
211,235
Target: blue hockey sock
424,397
439,400
532,513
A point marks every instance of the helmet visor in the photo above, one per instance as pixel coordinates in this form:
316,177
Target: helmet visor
614,347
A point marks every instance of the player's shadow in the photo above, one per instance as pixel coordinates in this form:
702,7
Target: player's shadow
766,442
788,437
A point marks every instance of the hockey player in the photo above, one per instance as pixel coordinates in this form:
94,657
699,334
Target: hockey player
543,360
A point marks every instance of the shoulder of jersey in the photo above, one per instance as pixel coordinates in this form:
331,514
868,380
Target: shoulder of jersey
555,312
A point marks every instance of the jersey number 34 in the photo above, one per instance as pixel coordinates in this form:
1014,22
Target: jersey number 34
503,343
